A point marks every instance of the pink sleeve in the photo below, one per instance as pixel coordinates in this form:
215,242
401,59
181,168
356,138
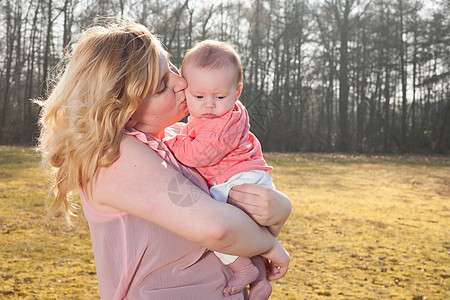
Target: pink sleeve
206,143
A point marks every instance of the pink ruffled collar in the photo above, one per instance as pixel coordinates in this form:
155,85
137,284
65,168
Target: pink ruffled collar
156,144
164,152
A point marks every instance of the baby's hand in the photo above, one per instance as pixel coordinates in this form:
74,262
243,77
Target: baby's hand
278,261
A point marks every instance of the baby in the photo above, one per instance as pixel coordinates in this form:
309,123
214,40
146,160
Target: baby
217,142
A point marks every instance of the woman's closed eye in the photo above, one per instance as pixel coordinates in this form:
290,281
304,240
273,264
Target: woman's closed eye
163,88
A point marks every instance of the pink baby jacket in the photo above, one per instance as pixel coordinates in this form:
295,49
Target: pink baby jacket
219,148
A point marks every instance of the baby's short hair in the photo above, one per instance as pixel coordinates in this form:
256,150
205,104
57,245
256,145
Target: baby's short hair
213,54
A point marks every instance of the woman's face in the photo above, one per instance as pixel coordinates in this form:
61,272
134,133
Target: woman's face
165,107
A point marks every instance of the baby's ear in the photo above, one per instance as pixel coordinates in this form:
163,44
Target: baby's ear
239,90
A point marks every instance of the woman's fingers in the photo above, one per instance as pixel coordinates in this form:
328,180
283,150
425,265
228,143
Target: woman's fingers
279,261
277,272
255,200
242,199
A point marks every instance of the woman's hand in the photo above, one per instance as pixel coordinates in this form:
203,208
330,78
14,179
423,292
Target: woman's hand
278,261
268,207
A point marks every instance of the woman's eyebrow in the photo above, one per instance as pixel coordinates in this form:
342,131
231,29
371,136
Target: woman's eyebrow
161,82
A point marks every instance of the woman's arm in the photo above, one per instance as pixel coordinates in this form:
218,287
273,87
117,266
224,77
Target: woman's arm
140,183
268,207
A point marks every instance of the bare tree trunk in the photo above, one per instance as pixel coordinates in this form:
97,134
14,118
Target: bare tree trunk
329,100
404,138
28,117
208,16
444,129
190,28
68,10
329,45
48,40
385,54
343,141
414,79
362,103
10,39
177,18
256,39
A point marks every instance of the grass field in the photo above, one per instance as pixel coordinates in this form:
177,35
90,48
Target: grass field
361,228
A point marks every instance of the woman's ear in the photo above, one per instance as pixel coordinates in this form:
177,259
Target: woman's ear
130,123
239,90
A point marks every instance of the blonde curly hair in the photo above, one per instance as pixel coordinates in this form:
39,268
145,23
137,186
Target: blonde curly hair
98,88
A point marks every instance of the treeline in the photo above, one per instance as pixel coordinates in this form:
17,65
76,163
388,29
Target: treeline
326,75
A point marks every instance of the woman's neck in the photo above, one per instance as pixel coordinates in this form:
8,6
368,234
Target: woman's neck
157,133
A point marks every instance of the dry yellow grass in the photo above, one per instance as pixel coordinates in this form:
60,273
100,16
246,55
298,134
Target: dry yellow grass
365,228
361,228
39,260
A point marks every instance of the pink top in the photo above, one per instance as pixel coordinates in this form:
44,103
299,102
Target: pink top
136,259
219,148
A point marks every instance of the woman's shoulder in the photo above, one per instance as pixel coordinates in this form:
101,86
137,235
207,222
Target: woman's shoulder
130,142
136,160
136,145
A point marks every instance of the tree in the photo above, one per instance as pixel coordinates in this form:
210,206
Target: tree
345,21
11,30
334,75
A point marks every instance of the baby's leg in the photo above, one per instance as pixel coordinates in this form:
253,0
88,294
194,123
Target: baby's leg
244,274
260,289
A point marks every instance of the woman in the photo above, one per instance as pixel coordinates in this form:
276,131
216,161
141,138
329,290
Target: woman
102,130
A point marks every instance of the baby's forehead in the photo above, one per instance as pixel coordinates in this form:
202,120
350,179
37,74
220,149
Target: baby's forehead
207,68
210,78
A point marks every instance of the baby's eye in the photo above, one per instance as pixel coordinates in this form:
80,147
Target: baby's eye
220,97
199,97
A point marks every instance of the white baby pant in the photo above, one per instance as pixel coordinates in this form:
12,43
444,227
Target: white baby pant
220,193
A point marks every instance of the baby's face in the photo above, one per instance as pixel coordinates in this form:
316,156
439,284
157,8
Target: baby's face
211,92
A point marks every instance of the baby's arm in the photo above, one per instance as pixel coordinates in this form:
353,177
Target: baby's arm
205,146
